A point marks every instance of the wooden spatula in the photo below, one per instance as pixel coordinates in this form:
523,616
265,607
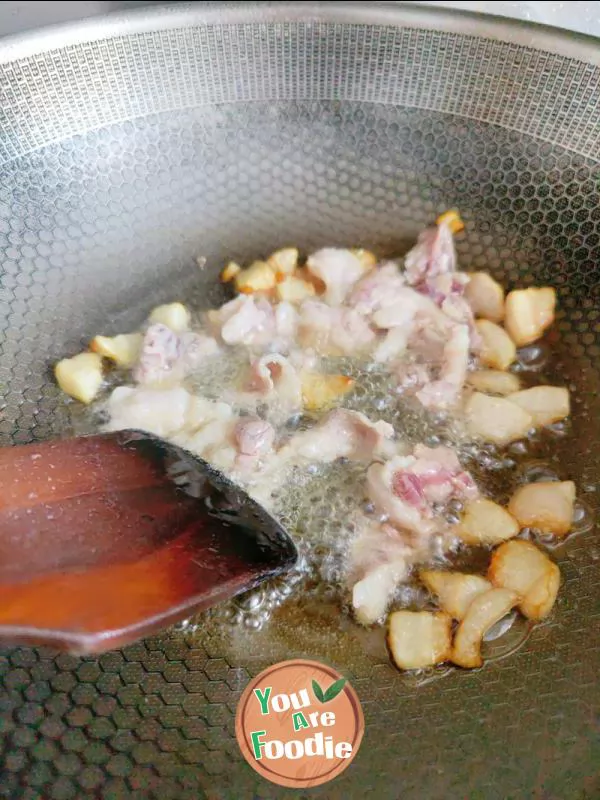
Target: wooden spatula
104,539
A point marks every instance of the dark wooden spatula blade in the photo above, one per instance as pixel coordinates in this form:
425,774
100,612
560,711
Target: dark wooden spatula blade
105,539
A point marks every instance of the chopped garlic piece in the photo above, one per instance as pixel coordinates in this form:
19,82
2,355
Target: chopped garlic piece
123,349
496,419
528,313
455,591
80,376
484,522
258,277
498,350
366,257
546,404
546,505
494,381
419,639
174,315
231,270
485,610
485,296
283,262
452,218
294,290
523,568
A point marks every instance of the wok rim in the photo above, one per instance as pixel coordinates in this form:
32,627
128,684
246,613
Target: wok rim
577,46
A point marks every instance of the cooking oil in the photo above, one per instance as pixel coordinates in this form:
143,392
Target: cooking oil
321,505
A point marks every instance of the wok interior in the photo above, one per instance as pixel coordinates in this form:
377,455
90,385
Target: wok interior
226,142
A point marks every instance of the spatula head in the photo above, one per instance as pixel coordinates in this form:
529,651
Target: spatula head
105,539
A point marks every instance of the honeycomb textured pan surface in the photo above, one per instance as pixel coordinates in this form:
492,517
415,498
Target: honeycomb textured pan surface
125,157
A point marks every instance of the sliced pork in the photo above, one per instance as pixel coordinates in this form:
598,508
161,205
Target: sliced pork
334,331
405,488
379,560
163,412
254,438
446,391
405,319
341,434
244,321
166,356
279,340
378,289
160,351
441,475
433,255
275,382
407,306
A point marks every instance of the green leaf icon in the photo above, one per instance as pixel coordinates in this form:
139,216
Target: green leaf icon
331,693
334,690
318,691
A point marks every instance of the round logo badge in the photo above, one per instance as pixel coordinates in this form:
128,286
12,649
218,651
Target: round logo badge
299,723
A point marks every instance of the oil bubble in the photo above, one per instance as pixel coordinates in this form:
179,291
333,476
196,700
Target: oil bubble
532,358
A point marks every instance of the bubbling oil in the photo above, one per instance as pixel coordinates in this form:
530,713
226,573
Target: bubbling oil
321,504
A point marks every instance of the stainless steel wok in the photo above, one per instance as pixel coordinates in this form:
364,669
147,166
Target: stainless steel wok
132,144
